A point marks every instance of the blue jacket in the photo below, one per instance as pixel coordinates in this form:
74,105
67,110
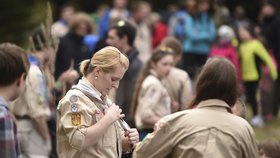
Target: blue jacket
200,32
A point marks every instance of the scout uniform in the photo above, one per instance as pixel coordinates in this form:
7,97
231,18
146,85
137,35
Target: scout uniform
32,104
153,99
209,131
179,87
75,113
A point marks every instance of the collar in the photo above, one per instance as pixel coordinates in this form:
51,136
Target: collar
214,103
3,102
154,73
132,53
98,94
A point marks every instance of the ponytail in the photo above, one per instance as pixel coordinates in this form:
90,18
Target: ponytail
84,67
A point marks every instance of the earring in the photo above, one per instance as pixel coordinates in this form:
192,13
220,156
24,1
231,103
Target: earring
95,77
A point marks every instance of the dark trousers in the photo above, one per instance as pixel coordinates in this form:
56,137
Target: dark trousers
251,91
276,101
192,63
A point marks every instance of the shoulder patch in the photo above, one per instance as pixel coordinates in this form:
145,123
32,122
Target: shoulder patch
76,119
74,108
73,99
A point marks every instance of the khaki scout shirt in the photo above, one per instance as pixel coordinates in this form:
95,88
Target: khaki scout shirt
152,100
75,113
33,101
207,132
178,86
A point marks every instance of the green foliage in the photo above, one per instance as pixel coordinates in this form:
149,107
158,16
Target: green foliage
19,18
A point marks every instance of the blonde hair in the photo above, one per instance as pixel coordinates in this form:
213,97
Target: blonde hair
108,59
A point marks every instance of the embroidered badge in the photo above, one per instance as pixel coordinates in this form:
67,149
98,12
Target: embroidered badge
74,108
73,98
76,119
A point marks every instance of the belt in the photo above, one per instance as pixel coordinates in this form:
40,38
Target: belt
23,117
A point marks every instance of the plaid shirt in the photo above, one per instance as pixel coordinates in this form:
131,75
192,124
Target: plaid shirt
9,146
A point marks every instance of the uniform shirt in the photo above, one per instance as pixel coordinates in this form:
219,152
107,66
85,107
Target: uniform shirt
248,52
208,131
178,86
9,147
33,102
153,100
74,116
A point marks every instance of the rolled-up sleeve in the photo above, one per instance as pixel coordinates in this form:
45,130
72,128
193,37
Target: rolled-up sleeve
74,122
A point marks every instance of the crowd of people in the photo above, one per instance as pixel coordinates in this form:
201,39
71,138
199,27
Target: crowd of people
126,81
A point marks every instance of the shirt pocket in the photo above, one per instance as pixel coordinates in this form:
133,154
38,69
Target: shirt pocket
108,136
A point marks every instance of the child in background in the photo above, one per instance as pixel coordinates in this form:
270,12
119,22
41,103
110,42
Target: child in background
224,47
252,54
269,148
13,69
239,108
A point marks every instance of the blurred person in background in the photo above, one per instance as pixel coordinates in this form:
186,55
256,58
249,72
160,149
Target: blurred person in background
122,36
177,82
139,18
117,12
62,26
221,15
177,22
210,130
13,68
150,99
269,148
252,54
224,47
239,19
159,29
32,110
239,108
71,49
200,32
270,29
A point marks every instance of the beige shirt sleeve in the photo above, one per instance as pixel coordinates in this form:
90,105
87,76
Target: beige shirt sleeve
148,100
36,93
156,144
74,120
186,94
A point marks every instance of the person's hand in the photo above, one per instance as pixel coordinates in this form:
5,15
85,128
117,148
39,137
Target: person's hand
174,106
114,112
159,124
132,135
69,76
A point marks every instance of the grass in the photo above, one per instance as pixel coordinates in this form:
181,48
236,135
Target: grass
270,129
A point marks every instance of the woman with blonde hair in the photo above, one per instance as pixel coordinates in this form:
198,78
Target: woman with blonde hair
88,123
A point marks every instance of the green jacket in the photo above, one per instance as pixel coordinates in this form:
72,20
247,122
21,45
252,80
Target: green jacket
248,52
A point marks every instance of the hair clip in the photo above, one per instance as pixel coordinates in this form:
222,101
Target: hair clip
166,49
121,23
